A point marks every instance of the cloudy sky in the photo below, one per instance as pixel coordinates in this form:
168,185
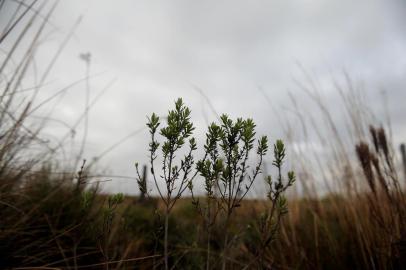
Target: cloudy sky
245,56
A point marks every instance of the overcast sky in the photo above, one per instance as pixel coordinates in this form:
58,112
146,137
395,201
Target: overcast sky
243,55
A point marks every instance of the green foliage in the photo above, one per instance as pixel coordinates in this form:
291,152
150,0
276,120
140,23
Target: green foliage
87,199
225,167
115,200
227,150
267,226
175,134
177,131
141,181
110,210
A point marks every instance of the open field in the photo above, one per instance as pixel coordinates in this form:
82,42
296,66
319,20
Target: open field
334,199
47,225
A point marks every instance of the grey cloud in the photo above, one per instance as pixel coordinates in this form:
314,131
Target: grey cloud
159,50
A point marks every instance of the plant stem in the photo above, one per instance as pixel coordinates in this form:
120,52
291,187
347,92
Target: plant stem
208,224
166,238
226,227
208,250
225,249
